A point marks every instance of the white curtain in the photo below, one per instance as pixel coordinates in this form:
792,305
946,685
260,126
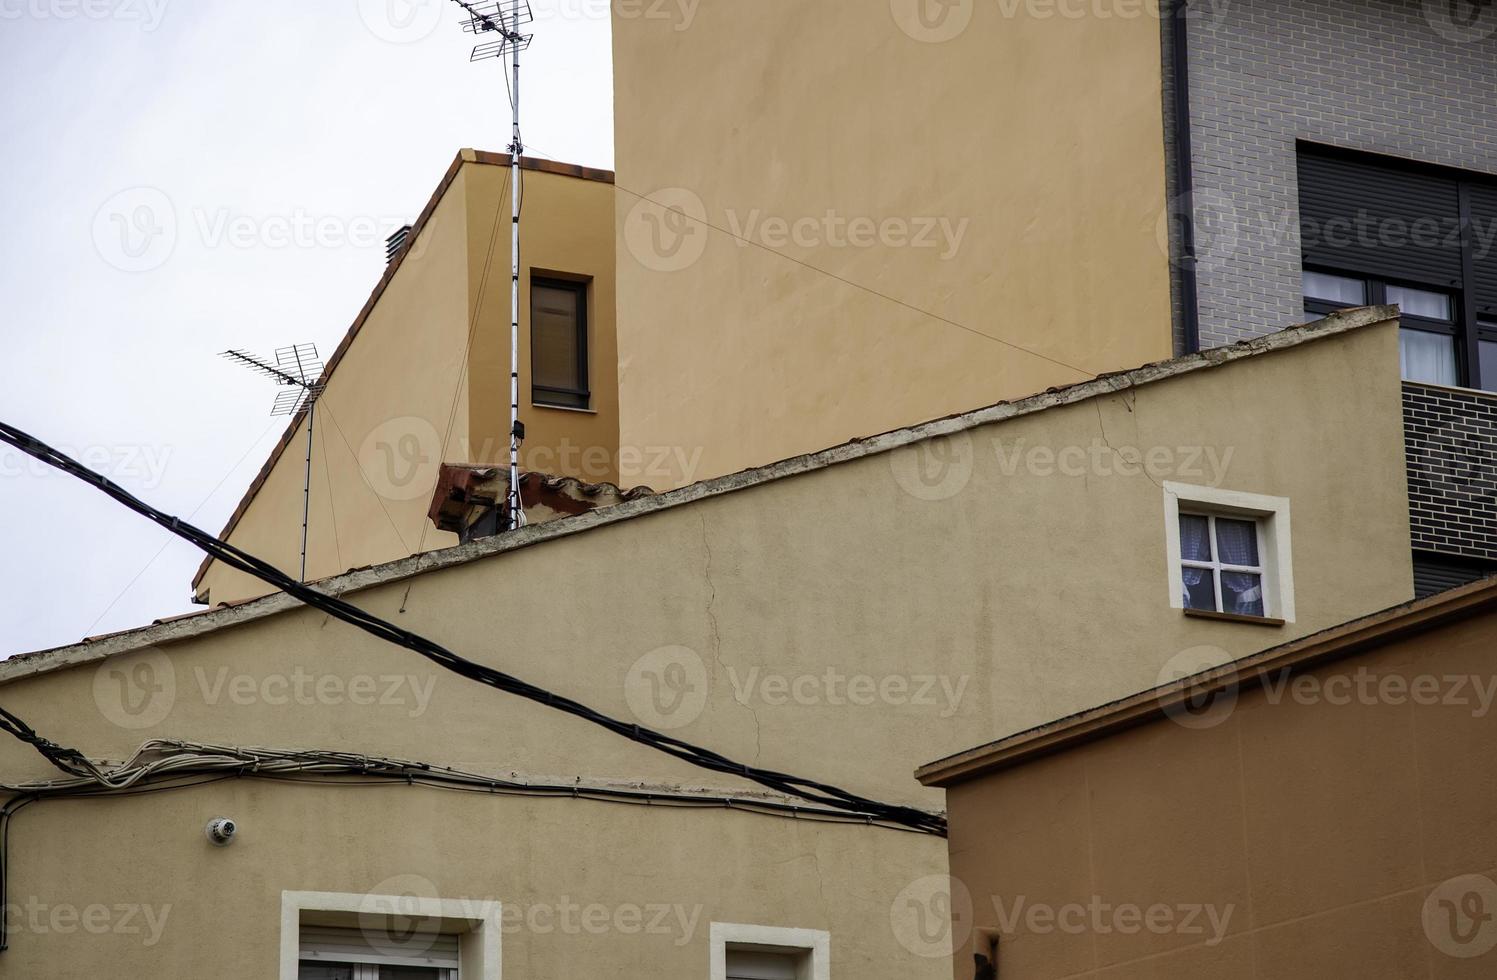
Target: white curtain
1242,591
1195,546
1428,357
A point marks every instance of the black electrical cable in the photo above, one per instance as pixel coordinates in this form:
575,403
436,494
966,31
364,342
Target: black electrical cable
70,761
808,789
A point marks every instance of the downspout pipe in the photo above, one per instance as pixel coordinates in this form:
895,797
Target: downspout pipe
1190,313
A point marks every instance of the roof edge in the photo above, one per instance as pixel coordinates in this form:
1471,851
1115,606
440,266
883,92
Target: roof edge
1338,642
465,155
58,658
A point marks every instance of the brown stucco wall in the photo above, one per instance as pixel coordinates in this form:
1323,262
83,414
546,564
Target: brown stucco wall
1325,830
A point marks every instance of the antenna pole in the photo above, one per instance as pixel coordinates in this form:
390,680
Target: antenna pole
306,500
516,429
504,18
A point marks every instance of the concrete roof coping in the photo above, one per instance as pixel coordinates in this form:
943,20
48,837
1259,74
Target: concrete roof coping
224,617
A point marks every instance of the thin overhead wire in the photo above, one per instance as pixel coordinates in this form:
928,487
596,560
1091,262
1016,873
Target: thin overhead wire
822,794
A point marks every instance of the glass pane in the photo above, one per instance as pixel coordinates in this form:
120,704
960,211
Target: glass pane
1428,357
324,971
1242,593
1200,589
1335,289
410,973
1488,364
1237,541
553,334
1195,539
1422,302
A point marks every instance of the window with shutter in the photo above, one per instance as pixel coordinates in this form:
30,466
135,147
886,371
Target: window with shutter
1376,230
376,954
748,952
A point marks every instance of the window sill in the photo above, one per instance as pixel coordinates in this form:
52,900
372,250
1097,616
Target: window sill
1233,617
564,408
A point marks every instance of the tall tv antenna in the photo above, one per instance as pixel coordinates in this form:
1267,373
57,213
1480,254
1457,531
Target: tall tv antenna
299,370
504,18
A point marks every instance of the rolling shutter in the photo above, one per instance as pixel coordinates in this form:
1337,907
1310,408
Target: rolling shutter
1436,573
321,944
1363,216
1484,247
748,965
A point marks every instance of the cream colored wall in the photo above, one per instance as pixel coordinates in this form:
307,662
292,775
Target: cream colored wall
219,909
569,233
378,426
1042,594
1042,131
403,385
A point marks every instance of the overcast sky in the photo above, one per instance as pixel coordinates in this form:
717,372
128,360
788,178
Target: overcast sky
184,176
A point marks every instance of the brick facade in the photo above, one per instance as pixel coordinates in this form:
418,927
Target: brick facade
1450,444
1388,76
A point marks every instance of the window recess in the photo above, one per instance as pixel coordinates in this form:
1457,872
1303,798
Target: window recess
1378,230
558,343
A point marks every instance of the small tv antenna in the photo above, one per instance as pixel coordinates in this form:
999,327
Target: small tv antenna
299,370
504,18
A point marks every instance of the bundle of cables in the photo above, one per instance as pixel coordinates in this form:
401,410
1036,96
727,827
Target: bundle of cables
818,793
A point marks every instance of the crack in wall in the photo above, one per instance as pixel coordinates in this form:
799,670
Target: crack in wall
717,632
1102,428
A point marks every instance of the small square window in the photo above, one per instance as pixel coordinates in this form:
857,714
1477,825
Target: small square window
1220,570
1228,552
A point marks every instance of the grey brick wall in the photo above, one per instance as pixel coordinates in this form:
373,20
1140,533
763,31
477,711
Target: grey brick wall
1450,445
1387,76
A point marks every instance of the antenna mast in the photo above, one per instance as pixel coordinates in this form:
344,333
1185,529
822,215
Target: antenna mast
504,18
299,369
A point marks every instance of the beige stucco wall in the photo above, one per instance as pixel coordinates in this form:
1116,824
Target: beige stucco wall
1325,828
567,233
658,877
952,611
1036,132
400,402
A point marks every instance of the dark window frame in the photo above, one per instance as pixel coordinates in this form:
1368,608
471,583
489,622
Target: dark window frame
572,398
1375,289
1468,326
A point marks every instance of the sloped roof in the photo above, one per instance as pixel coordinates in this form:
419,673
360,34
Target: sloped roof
293,429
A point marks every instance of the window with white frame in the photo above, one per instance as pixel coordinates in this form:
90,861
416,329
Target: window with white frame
747,952
344,936
1229,552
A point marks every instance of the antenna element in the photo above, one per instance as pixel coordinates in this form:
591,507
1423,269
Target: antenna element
299,370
